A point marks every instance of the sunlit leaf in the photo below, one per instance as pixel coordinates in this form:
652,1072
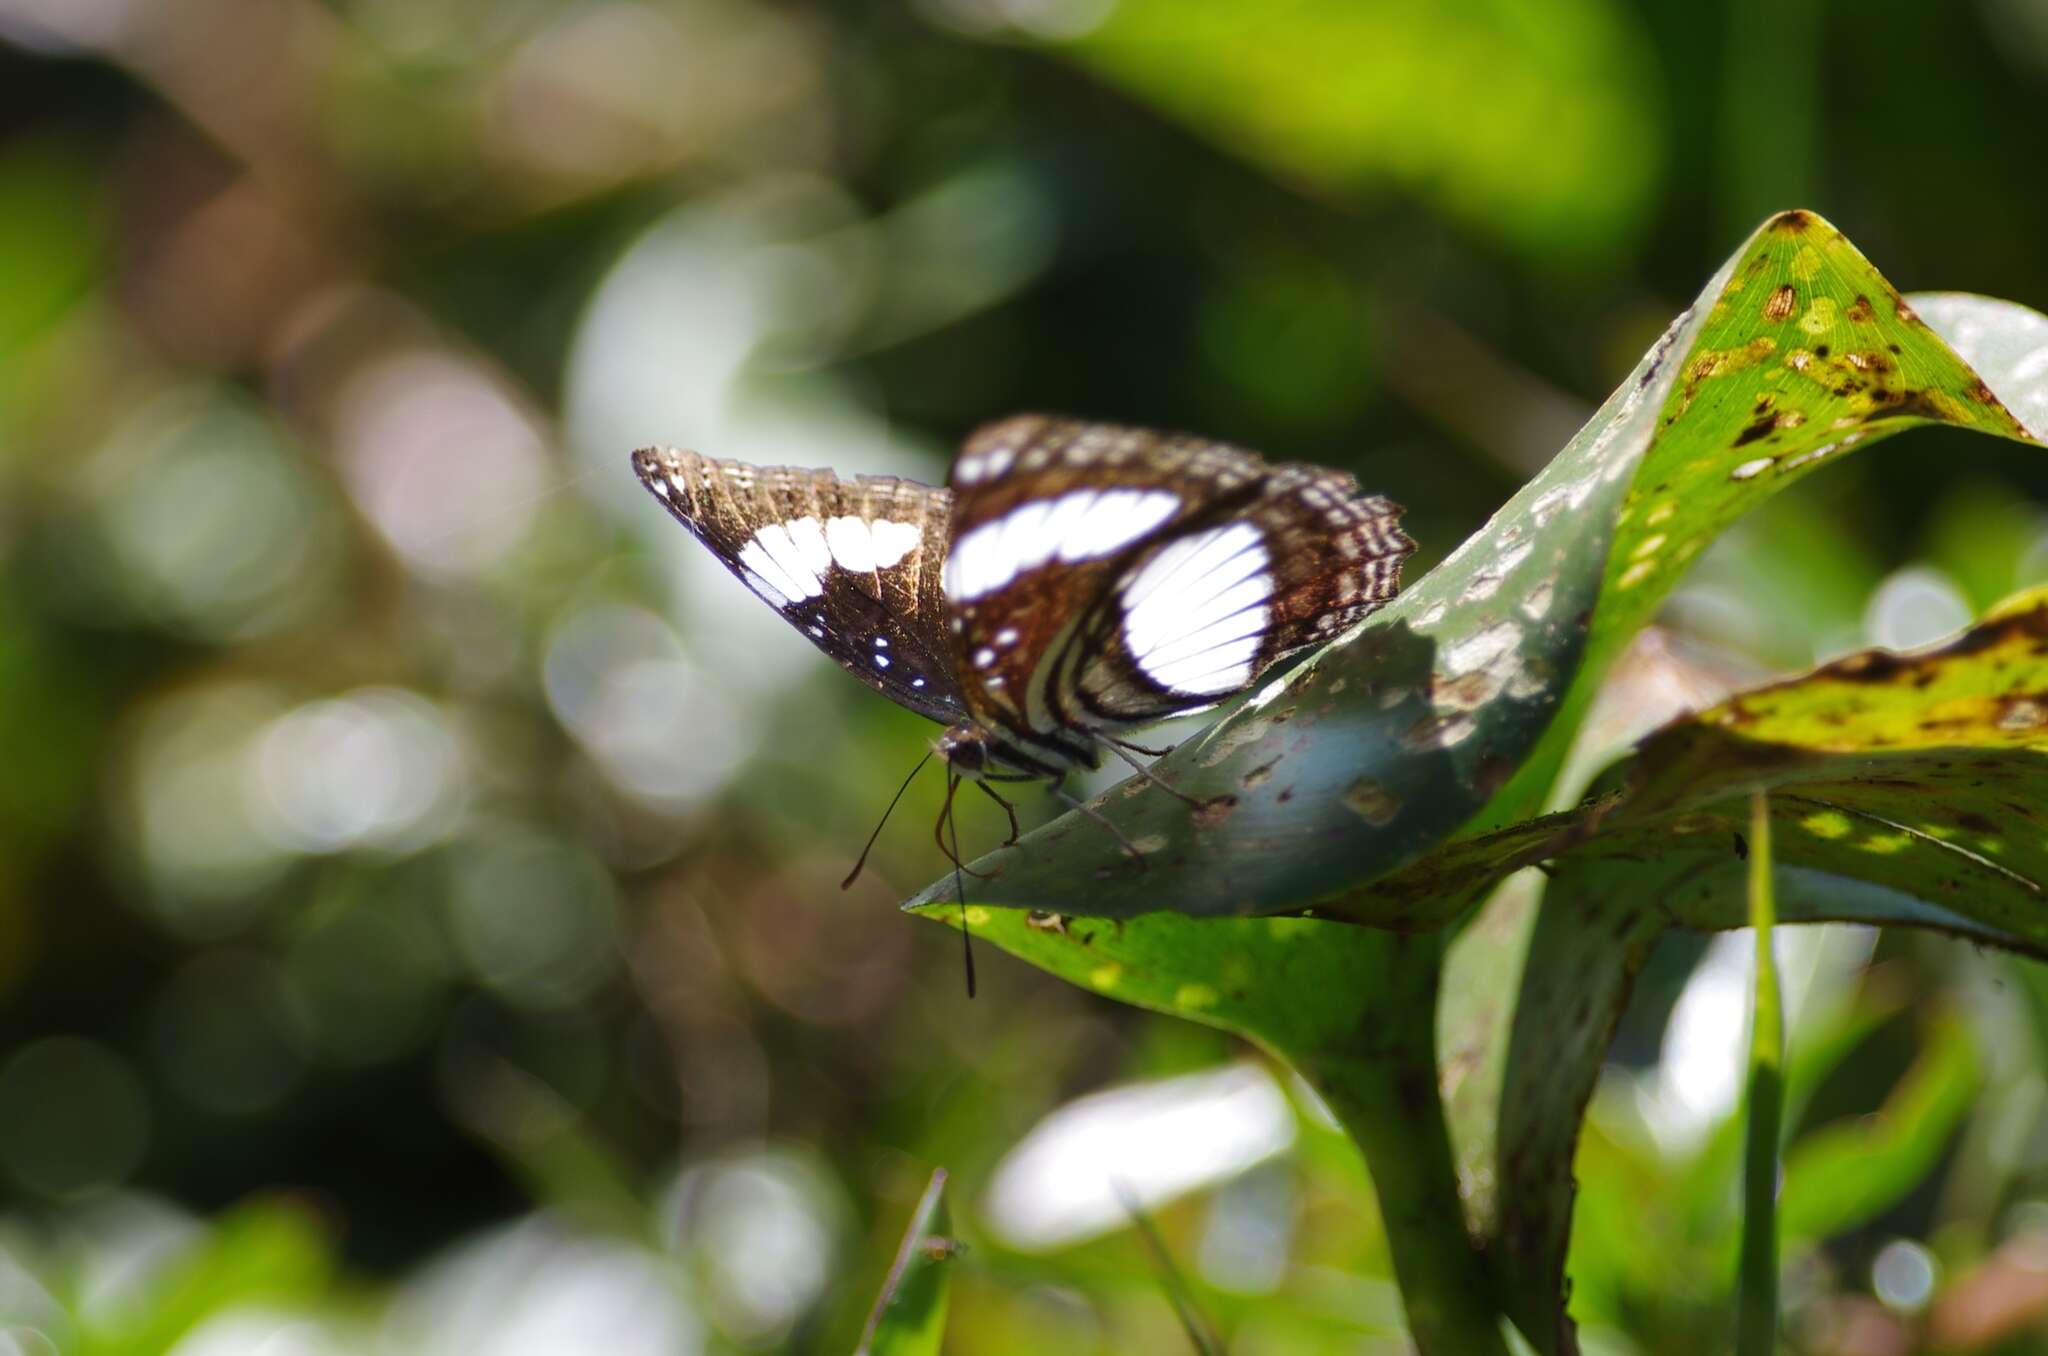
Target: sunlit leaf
1454,706
1922,777
1349,1008
268,1252
1904,789
909,1318
1345,787
1353,97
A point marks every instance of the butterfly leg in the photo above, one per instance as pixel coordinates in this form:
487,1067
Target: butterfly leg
1135,747
1008,809
1075,802
966,933
940,832
1121,750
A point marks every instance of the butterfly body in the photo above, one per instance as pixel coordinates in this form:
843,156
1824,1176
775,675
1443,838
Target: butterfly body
1075,582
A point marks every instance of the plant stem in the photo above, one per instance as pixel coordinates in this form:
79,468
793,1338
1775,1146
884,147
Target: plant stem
1757,1314
1386,1094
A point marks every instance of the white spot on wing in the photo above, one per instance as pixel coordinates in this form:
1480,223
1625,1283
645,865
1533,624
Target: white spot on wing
777,566
758,582
1115,520
863,547
1195,613
1079,525
809,540
852,546
893,541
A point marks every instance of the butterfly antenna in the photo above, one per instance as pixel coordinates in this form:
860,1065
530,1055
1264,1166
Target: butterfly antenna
854,874
959,883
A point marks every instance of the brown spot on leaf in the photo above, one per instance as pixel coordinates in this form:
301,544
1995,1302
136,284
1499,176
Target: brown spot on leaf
1872,666
1212,812
1904,312
1466,692
1794,222
1721,362
1260,775
1781,303
1981,393
1372,802
1860,310
1922,404
1761,428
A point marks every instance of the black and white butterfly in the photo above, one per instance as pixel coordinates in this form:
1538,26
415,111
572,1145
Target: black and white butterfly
1075,582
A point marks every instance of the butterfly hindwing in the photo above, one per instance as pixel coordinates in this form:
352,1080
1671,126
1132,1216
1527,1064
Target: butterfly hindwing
1203,614
853,564
1046,514
1103,577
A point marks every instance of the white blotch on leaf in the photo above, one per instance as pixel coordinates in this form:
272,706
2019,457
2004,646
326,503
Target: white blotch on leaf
1480,648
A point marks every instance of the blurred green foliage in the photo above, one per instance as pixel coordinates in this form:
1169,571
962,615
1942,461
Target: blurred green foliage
419,923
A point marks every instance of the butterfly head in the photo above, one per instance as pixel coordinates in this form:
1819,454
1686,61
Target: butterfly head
965,747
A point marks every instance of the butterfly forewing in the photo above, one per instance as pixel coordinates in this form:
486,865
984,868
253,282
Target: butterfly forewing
853,564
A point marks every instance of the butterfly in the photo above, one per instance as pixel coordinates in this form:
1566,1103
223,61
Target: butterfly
1074,582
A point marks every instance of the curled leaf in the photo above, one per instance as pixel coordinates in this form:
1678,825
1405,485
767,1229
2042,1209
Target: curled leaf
1451,709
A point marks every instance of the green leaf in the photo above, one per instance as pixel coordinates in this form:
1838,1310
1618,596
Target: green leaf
267,1252
1350,1009
1574,986
909,1317
1347,97
1904,789
1845,1174
1452,709
1757,1288
1648,1227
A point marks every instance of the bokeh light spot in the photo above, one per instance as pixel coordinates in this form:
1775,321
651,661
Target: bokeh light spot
78,1118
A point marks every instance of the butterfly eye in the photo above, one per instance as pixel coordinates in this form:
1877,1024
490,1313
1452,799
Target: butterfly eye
965,749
